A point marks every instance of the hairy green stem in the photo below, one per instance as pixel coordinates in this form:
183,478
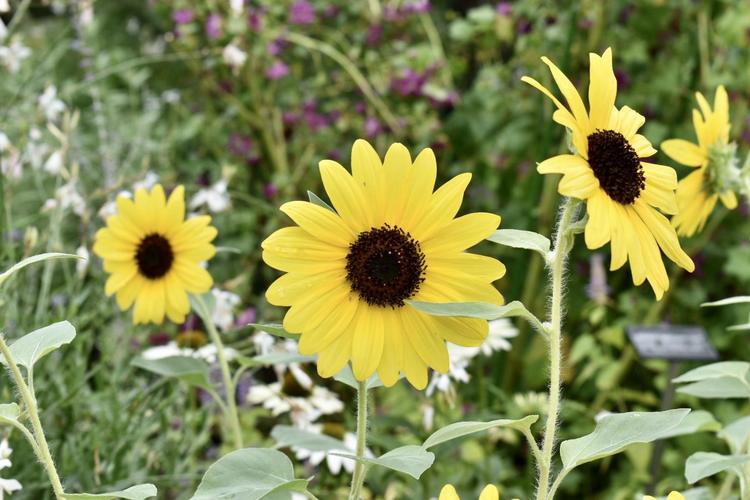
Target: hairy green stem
358,478
41,449
230,410
556,263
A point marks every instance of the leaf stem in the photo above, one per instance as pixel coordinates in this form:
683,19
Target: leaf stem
556,263
230,410
358,478
41,449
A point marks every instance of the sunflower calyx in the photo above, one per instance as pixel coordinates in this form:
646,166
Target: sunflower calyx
722,170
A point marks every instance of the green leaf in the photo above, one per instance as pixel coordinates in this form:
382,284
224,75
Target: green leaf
194,371
316,200
741,299
35,345
274,329
726,379
345,376
138,492
481,310
614,433
275,358
736,434
9,412
696,421
516,238
249,474
461,429
702,464
412,460
286,435
738,328
34,259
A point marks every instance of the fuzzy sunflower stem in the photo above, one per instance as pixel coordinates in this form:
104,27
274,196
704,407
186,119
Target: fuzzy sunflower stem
231,412
358,478
556,262
42,448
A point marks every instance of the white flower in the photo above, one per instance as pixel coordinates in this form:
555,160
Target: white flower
263,342
236,6
4,142
12,55
234,56
148,181
36,150
4,6
83,263
334,462
67,196
3,31
215,197
54,163
50,105
11,165
224,304
170,349
428,416
497,339
302,410
6,485
170,96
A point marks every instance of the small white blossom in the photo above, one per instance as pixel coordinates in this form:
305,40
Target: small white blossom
4,6
50,105
206,353
224,304
263,342
170,96
36,150
428,416
3,31
7,485
215,197
148,181
67,196
236,6
302,410
4,142
497,339
234,56
334,462
54,163
12,55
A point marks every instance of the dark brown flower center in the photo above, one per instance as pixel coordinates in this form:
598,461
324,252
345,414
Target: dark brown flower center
616,165
154,256
385,266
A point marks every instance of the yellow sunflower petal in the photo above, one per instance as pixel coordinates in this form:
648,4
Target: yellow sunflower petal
175,209
665,235
448,492
346,195
466,332
642,146
118,280
127,294
415,369
367,170
571,95
392,359
397,165
310,311
429,345
292,287
367,344
684,152
444,204
561,164
333,358
729,199
467,265
461,233
578,182
490,491
597,231
194,278
318,339
602,89
292,249
319,222
629,121
421,182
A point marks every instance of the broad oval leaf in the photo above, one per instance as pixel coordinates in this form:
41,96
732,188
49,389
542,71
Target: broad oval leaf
286,435
249,474
34,259
481,310
517,238
274,329
717,388
702,464
461,429
9,412
741,299
35,345
615,432
194,371
696,421
736,369
345,376
736,434
412,460
138,492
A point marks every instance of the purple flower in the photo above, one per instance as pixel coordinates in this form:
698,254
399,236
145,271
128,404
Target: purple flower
334,155
312,118
240,145
277,70
331,11
374,34
372,127
182,16
410,83
247,316
213,26
416,7
391,13
270,190
623,79
360,107
275,47
523,27
503,9
301,12
254,19
289,118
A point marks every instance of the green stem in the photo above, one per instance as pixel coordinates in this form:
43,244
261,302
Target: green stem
230,410
358,478
42,449
556,262
726,487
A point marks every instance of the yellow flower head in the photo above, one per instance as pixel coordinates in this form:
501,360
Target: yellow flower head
154,255
698,192
622,191
672,496
389,240
488,493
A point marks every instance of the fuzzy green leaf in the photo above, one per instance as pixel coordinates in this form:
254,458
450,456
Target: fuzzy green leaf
314,198
35,345
194,371
702,464
736,434
286,435
412,460
34,259
527,240
9,412
138,492
274,329
461,429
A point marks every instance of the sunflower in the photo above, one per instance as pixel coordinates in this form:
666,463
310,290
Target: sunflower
154,255
490,492
350,272
622,191
675,495
698,192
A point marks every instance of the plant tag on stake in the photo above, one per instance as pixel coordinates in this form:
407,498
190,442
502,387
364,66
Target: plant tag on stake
672,342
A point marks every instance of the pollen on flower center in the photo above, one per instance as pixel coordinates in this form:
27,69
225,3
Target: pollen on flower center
616,165
385,266
154,256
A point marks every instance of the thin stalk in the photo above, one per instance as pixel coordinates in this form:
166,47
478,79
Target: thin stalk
726,487
557,261
230,410
42,449
358,478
